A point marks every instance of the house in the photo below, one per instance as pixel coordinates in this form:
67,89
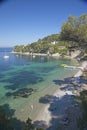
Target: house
54,42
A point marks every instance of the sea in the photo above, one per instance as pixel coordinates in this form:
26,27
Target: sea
26,80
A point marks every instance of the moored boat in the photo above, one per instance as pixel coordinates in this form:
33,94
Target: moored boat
6,57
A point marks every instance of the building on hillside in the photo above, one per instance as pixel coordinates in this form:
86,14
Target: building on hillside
54,42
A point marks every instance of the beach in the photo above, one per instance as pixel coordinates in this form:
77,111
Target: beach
54,107
54,94
62,111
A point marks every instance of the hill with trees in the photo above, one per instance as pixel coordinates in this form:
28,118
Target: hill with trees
73,35
74,31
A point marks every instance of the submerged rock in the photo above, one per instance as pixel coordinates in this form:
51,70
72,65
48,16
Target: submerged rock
24,92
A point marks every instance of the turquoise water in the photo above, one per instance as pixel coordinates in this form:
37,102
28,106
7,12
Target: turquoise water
42,74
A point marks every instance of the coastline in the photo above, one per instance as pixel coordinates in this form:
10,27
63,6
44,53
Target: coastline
62,106
43,113
51,115
31,54
55,55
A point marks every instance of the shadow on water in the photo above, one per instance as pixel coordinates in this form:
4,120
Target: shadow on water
47,69
24,92
1,75
22,79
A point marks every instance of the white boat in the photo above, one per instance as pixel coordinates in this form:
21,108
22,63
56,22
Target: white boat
33,56
6,57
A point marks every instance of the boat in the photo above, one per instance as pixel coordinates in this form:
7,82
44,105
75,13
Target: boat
33,56
6,57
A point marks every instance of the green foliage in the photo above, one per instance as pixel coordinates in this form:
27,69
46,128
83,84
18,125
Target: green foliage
41,46
84,58
53,37
40,128
5,121
73,32
75,29
82,123
29,125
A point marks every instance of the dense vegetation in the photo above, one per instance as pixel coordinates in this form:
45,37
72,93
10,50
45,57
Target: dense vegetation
73,34
83,103
7,123
50,44
75,31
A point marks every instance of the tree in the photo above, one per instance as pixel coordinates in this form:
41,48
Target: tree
5,121
75,30
40,128
29,125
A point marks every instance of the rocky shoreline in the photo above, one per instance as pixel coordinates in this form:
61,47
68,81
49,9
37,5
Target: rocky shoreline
75,55
63,110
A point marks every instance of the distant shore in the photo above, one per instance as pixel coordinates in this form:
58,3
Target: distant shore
35,54
76,55
55,55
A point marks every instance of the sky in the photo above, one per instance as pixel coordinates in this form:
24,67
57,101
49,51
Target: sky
25,21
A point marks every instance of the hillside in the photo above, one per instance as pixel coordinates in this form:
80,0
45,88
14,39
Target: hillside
48,45
73,37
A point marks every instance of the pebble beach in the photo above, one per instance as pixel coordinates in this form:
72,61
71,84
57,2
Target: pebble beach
62,111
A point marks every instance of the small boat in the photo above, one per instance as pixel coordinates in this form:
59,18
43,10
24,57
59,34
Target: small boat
6,57
33,56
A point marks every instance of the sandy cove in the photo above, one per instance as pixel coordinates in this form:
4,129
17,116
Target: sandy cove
61,111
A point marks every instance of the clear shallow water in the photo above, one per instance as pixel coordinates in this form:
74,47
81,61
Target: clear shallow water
43,74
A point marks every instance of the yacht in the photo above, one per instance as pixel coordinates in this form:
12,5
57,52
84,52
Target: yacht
6,57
